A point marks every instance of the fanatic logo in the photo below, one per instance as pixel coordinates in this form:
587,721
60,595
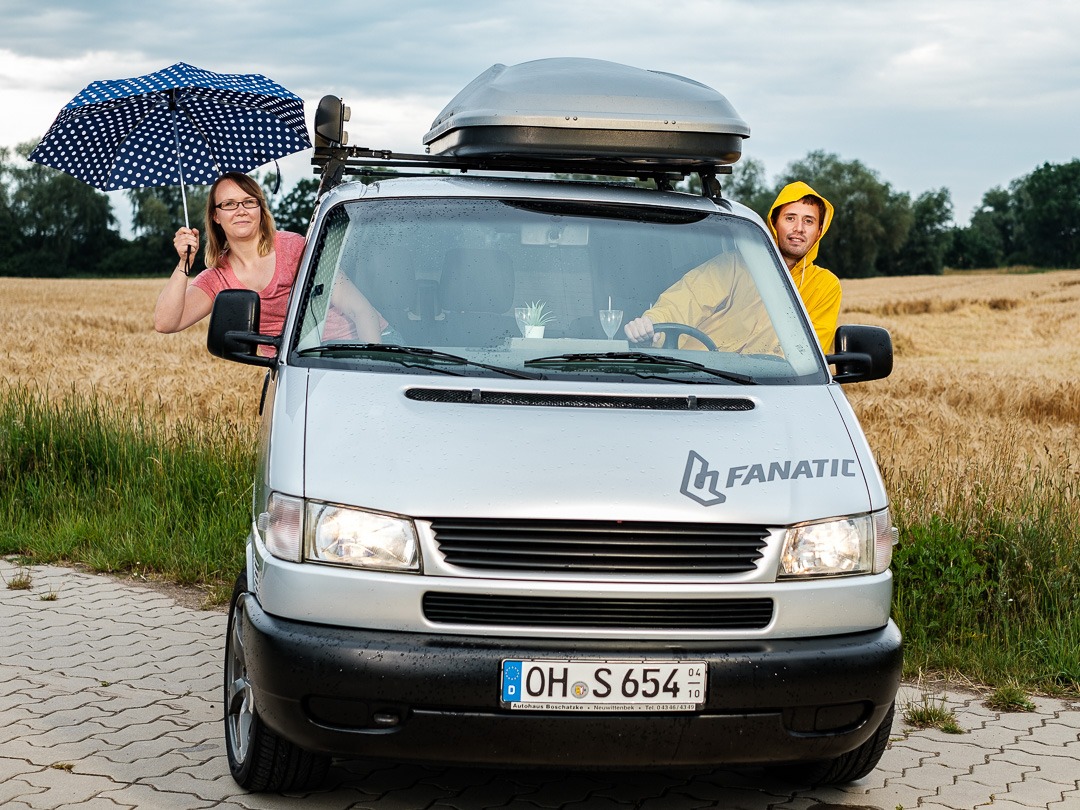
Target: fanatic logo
702,484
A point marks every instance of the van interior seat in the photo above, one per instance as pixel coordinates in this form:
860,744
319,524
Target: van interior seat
476,280
562,279
386,276
388,279
476,294
635,272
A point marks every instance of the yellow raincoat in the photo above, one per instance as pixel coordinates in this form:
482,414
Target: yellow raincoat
818,288
720,298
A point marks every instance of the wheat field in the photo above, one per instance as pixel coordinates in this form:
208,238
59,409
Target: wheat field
985,391
987,367
97,337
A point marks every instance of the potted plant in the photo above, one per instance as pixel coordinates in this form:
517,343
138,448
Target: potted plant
532,318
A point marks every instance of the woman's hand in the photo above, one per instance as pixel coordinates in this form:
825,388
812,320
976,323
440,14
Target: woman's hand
186,243
181,304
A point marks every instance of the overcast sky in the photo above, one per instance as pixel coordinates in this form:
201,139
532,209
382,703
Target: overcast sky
961,94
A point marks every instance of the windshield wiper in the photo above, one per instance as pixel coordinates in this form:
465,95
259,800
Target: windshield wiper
640,358
400,353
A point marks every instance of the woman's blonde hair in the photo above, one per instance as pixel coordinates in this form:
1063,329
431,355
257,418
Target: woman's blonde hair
216,243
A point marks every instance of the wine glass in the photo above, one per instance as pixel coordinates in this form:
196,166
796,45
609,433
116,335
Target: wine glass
519,316
610,320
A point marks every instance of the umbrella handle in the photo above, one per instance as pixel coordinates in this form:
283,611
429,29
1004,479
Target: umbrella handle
183,193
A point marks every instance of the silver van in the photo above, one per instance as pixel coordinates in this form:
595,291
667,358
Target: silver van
502,534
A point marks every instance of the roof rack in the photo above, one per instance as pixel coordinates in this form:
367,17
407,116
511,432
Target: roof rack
334,163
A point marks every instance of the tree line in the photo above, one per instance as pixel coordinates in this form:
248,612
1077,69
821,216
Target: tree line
53,225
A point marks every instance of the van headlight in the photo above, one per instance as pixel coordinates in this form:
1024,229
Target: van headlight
357,537
859,544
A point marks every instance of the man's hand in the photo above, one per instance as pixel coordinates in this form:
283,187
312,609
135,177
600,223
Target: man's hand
640,330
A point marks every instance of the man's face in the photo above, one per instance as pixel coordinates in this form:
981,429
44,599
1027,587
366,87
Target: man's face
798,227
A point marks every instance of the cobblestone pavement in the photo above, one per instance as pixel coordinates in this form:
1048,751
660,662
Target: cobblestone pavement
110,698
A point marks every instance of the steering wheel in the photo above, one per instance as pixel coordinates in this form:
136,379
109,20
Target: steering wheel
676,329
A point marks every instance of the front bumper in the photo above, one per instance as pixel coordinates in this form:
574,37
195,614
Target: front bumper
435,698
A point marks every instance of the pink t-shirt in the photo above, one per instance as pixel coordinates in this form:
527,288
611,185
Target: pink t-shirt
274,297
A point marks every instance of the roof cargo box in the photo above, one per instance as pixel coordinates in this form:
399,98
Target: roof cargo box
587,108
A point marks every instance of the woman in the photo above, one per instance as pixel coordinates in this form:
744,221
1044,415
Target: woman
244,251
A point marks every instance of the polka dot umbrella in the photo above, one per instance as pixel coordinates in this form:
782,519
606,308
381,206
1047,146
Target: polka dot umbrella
181,125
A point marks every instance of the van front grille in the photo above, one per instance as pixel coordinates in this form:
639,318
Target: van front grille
641,614
614,547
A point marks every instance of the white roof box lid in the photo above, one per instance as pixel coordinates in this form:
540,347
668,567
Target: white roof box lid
578,109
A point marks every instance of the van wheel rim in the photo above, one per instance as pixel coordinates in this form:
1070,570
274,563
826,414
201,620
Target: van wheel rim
240,708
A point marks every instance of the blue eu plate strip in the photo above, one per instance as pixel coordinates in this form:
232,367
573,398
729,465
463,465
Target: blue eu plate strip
511,681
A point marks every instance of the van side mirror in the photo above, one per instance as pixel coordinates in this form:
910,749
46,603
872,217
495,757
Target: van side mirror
234,329
861,353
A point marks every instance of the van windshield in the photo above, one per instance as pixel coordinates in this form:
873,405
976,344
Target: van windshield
544,289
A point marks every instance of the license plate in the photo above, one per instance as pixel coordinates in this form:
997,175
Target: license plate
606,686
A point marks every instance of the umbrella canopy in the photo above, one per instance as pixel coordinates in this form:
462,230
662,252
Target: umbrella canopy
178,126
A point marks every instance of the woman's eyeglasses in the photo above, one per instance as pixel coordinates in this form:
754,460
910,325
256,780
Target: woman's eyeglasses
232,205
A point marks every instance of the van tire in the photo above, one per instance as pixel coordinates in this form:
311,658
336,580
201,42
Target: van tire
846,767
259,759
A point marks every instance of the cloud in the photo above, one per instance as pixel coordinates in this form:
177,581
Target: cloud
930,93
67,75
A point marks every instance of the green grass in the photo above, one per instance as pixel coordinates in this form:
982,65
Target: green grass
1009,698
930,713
84,481
19,581
988,571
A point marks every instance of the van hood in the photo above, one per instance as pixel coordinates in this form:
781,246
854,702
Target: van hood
423,447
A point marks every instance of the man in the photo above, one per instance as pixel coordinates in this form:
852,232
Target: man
798,220
713,295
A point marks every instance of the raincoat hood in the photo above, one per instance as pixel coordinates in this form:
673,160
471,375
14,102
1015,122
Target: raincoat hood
793,192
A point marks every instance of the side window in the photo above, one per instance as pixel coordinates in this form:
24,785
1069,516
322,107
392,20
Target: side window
320,283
